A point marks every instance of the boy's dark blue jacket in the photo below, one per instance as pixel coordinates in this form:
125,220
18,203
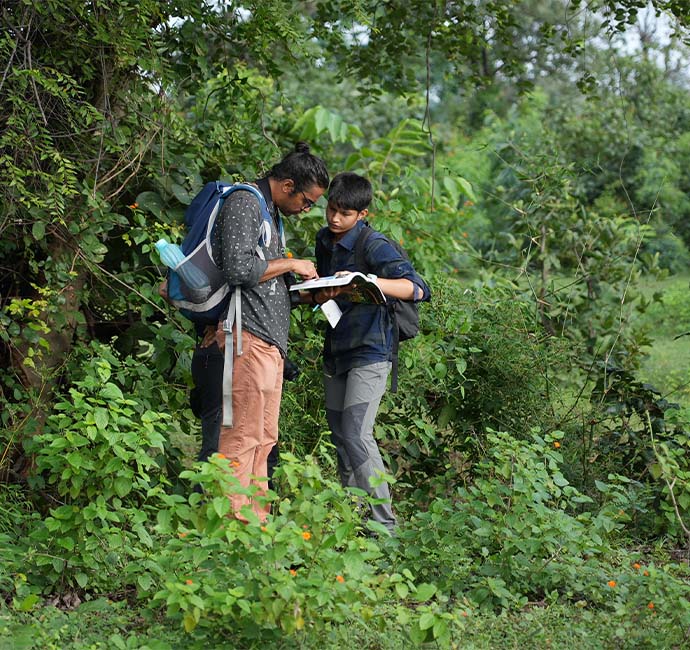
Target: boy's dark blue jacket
364,333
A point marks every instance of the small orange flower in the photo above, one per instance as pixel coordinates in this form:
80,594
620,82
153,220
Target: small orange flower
401,241
264,529
464,613
305,526
288,255
465,235
293,573
650,606
306,534
189,582
221,456
182,535
134,206
340,578
235,463
645,573
611,583
636,566
557,444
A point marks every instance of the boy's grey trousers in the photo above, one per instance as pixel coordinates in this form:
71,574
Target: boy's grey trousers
352,401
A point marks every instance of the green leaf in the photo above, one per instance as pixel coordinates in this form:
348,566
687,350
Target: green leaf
427,620
111,392
417,634
151,202
189,622
123,486
144,536
101,417
395,205
38,230
221,505
145,581
28,603
467,188
182,194
425,591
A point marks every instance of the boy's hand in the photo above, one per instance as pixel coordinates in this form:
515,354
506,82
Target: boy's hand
328,293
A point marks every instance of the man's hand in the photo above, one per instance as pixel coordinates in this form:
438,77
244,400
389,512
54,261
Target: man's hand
163,290
304,268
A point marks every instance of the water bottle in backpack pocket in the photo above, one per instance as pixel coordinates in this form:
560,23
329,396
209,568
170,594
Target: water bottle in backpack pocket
194,283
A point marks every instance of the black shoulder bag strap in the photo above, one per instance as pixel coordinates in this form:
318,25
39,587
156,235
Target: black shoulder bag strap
363,267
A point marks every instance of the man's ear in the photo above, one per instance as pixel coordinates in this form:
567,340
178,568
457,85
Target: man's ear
288,186
361,215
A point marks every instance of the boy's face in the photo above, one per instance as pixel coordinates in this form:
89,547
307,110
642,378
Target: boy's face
341,220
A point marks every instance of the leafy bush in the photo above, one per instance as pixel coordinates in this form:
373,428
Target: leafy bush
517,535
521,535
307,568
99,462
480,363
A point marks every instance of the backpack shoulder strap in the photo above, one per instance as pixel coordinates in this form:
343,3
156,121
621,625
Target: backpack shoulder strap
361,247
265,239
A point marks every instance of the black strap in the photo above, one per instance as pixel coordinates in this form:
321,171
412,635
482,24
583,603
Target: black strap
360,249
363,267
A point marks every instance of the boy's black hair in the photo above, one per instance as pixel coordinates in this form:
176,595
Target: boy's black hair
350,191
303,167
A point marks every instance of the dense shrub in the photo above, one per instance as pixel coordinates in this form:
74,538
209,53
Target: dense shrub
99,463
480,363
520,535
306,569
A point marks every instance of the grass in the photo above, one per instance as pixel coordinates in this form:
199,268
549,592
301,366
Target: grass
101,625
667,364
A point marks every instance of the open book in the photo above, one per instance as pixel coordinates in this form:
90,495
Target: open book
360,288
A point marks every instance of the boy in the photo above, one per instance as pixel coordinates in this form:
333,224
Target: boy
357,352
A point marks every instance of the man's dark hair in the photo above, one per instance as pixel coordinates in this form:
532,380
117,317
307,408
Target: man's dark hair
350,191
304,168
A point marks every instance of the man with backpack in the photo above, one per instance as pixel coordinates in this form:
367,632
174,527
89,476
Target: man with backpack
359,351
259,347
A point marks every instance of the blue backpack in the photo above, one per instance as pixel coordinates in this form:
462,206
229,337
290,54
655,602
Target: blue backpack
207,302
207,307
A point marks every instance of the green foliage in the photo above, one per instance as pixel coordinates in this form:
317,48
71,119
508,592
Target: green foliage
522,538
576,259
101,454
672,470
522,533
307,568
480,362
107,136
